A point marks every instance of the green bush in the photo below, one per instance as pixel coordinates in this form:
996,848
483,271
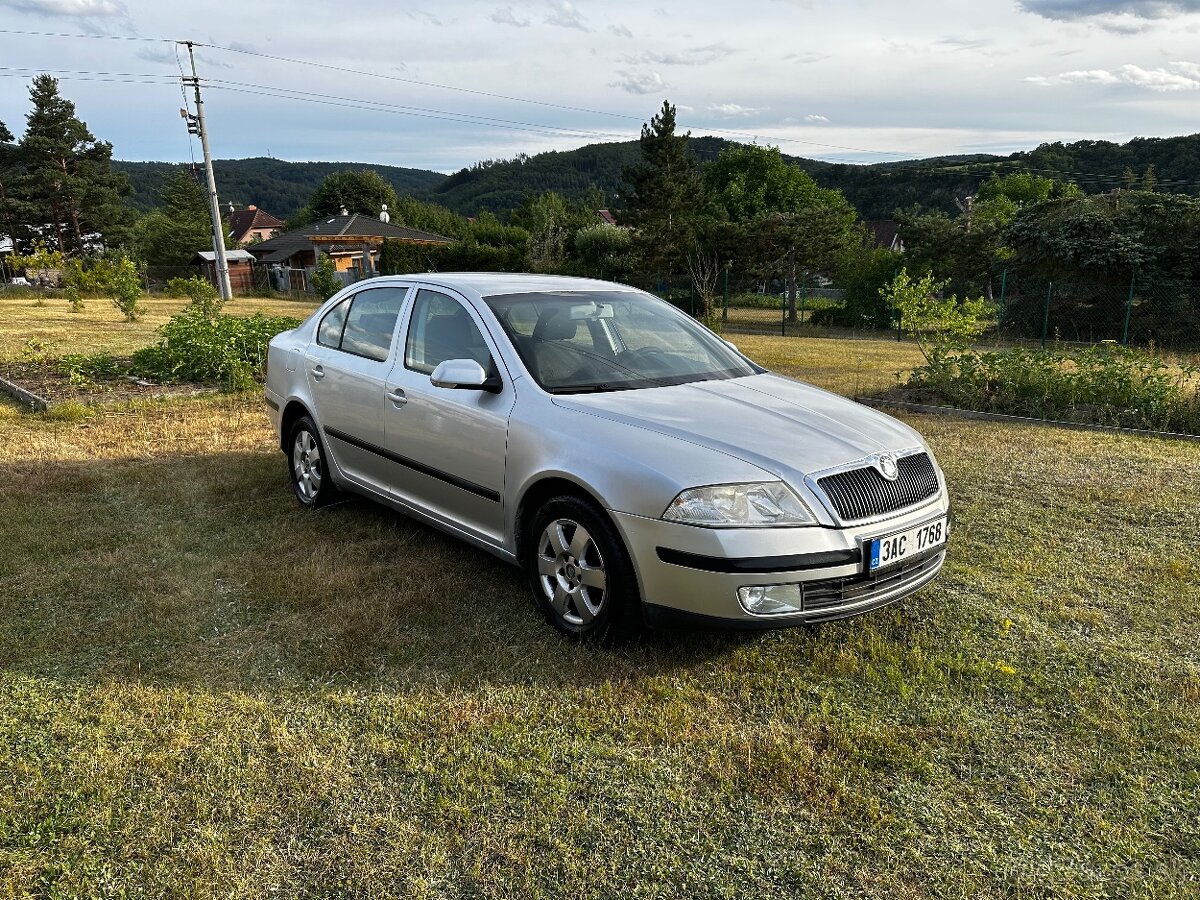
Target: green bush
1106,384
199,292
82,369
230,351
325,281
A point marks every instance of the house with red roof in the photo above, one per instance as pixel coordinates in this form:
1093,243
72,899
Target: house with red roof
251,224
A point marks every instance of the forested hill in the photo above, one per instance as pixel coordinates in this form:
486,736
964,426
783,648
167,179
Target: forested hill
275,185
876,190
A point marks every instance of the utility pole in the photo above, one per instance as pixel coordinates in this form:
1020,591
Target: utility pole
196,126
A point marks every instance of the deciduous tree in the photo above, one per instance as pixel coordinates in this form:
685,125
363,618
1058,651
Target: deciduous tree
363,191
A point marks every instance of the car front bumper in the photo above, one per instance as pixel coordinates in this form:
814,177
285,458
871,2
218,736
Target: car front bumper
693,574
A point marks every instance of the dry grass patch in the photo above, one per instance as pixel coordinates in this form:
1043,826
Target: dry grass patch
99,327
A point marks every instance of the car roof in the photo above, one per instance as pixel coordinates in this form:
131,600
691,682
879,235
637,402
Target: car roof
487,284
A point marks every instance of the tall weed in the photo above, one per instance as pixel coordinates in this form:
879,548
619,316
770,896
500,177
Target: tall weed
230,351
1106,384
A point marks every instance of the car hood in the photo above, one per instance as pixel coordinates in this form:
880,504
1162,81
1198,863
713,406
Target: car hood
786,427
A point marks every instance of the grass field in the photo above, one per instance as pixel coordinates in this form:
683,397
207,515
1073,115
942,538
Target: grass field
99,327
207,692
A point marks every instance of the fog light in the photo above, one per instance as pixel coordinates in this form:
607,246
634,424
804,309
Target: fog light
771,599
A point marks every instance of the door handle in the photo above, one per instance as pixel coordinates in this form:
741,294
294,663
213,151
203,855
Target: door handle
396,395
318,372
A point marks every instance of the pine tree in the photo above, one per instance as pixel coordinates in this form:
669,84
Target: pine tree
8,171
68,183
171,236
663,194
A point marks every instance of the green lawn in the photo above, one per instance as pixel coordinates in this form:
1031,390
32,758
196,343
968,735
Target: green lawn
208,692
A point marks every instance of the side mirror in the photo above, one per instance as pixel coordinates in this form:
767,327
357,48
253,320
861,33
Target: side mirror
463,375
731,345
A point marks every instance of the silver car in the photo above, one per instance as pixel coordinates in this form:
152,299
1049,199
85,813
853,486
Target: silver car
633,463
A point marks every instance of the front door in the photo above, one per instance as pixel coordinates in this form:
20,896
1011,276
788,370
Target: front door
452,442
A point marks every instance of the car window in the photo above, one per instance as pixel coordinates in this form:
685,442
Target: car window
576,341
329,332
371,322
442,329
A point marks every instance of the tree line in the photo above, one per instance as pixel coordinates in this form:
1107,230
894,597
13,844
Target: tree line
698,215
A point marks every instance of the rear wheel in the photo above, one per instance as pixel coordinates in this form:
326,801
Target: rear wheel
580,572
307,465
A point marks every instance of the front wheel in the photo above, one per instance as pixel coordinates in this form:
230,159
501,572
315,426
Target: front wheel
580,572
307,465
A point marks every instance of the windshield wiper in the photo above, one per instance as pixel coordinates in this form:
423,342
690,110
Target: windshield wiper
589,389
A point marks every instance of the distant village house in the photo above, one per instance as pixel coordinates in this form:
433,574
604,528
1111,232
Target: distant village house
251,224
351,240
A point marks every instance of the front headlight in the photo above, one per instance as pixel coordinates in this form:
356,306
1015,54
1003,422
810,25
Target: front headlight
770,503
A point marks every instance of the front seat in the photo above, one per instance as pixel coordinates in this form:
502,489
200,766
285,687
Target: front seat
554,363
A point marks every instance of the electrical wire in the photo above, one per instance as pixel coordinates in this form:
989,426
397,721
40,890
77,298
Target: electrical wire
25,70
494,122
369,106
215,82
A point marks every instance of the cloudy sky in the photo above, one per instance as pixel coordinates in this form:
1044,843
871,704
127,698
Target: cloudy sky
443,85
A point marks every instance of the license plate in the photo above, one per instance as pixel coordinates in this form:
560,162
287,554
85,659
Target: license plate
894,548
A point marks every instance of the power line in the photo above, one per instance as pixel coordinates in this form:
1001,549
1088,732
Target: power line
465,90
217,82
490,121
84,78
509,97
370,106
23,71
100,37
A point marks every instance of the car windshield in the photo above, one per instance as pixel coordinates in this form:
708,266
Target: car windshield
585,341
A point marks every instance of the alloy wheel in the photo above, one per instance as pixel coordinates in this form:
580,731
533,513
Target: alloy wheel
571,572
306,465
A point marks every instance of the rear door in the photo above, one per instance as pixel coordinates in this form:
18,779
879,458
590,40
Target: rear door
347,369
451,442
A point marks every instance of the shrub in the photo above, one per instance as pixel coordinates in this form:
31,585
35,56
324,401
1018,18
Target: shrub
125,288
118,279
74,298
199,292
325,279
1106,384
940,324
81,368
230,351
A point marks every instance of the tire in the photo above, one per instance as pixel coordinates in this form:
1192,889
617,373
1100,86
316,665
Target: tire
580,572
308,469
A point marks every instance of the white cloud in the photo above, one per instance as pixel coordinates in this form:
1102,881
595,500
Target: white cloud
639,82
564,14
1158,79
83,9
805,58
693,56
815,119
963,43
506,16
621,31
734,110
1185,77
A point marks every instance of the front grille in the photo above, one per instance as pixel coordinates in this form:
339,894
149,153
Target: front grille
863,493
853,589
